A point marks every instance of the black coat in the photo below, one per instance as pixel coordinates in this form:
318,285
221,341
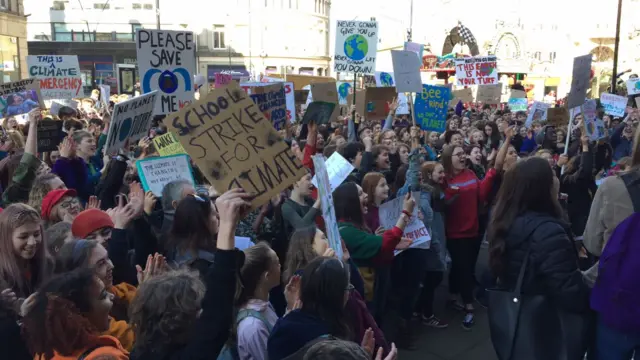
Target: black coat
580,188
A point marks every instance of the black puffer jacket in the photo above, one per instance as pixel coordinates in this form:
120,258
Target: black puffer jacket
553,263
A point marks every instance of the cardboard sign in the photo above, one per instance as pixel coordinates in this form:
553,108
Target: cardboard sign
338,169
465,95
377,102
222,79
166,62
479,70
344,89
557,116
272,102
326,92
361,104
430,107
403,105
489,94
414,47
234,145
105,94
389,213
50,135
581,80
301,96
406,68
518,104
288,93
325,193
157,172
517,94
384,79
319,111
59,76
20,97
613,104
538,112
633,86
55,106
131,121
168,145
356,47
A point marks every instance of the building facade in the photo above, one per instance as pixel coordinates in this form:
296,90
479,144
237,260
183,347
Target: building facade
13,41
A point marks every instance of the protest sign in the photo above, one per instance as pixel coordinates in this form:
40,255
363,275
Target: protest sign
242,243
415,230
300,97
234,145
361,104
637,102
580,81
249,88
384,79
377,102
557,116
222,79
414,47
318,112
20,97
50,135
59,76
356,47
517,94
271,100
371,81
406,68
105,94
289,87
403,105
326,92
344,89
168,145
131,121
465,95
430,107
55,106
613,104
338,169
538,112
479,70
166,62
156,172
590,116
489,94
325,194
633,86
518,104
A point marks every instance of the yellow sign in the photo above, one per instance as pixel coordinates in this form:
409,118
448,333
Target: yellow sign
168,145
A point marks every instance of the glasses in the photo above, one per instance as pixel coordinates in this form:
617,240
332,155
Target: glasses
460,155
67,204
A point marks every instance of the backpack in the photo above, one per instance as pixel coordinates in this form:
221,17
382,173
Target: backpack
230,349
616,292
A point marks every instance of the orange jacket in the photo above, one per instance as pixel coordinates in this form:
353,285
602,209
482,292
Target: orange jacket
121,329
107,347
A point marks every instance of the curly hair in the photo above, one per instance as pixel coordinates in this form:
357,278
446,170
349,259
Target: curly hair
300,251
41,187
164,310
56,321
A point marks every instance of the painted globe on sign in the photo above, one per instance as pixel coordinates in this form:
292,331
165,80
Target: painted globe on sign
637,85
386,79
356,47
343,89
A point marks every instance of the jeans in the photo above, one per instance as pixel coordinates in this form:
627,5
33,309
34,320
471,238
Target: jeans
612,344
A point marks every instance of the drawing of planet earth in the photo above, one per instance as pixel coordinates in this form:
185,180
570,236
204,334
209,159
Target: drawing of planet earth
486,69
356,47
386,79
343,90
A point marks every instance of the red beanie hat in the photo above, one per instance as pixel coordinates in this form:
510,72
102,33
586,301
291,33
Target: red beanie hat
51,199
89,221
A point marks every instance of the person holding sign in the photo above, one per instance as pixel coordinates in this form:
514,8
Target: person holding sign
299,210
577,182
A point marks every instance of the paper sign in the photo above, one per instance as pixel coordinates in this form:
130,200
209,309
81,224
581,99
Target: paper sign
223,79
430,107
338,169
518,104
344,89
318,112
234,145
20,97
371,81
580,81
105,94
55,106
557,116
326,92
166,62
406,68
325,193
356,47
389,213
289,94
633,86
613,104
271,101
157,172
131,121
384,79
538,112
479,70
59,76
168,145
489,94
465,95
403,105
589,112
50,135
517,94
243,243
414,47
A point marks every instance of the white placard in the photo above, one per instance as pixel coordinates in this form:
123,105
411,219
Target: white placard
613,104
384,79
131,121
356,47
389,213
166,62
406,68
479,70
243,243
338,169
328,211
105,94
59,76
403,105
538,112
344,89
55,106
633,86
157,172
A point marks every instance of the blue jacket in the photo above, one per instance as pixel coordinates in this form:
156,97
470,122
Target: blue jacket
292,332
621,146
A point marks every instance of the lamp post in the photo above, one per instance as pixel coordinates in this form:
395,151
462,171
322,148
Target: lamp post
616,50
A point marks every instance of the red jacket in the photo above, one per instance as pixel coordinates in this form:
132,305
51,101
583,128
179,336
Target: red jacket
462,214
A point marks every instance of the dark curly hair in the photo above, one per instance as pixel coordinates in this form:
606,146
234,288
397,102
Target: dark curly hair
56,319
164,310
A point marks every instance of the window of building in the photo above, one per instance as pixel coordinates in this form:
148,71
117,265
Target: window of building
104,36
148,6
4,4
218,37
136,6
537,55
9,59
101,6
134,29
552,57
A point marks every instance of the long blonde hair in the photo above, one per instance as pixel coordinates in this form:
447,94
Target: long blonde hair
11,273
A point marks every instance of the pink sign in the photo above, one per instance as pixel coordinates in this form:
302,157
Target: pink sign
223,79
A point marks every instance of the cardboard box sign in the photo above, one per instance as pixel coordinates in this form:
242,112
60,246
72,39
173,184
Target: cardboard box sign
319,111
360,102
465,95
301,96
517,94
557,116
326,92
376,100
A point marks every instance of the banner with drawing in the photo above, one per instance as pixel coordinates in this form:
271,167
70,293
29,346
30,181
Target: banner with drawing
20,97
613,104
325,193
356,47
478,70
389,213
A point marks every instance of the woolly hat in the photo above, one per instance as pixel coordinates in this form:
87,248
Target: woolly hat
52,198
89,221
